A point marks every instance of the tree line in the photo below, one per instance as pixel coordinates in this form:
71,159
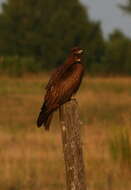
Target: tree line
36,36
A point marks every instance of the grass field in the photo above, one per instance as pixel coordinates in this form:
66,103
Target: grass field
32,159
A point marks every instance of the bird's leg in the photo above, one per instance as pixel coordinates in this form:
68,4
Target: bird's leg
73,98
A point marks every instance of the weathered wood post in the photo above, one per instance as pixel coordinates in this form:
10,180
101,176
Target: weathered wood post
72,146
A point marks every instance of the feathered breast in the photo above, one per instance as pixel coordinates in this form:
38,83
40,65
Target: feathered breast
71,81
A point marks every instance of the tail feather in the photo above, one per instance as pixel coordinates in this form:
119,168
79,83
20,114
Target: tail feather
44,118
48,121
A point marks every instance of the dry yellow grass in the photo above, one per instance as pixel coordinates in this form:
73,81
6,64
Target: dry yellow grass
32,158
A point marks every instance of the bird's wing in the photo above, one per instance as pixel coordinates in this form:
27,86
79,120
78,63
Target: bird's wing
57,75
60,93
63,90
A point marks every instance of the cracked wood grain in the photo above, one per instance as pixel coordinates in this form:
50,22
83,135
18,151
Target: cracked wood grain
72,146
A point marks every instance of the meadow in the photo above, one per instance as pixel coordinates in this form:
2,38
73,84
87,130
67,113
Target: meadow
32,159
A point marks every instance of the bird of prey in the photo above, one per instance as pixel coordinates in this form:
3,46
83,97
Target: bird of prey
64,83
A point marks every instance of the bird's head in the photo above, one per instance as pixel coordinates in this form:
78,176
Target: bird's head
77,54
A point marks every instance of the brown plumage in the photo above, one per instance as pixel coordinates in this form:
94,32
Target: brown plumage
63,83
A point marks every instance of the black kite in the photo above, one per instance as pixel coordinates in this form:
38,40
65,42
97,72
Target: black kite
64,82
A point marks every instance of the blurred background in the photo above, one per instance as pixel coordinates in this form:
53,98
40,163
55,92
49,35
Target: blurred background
36,37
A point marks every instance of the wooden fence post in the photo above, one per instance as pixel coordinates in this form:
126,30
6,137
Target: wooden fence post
72,146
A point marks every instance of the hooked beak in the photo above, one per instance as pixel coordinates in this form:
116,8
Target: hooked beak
80,51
